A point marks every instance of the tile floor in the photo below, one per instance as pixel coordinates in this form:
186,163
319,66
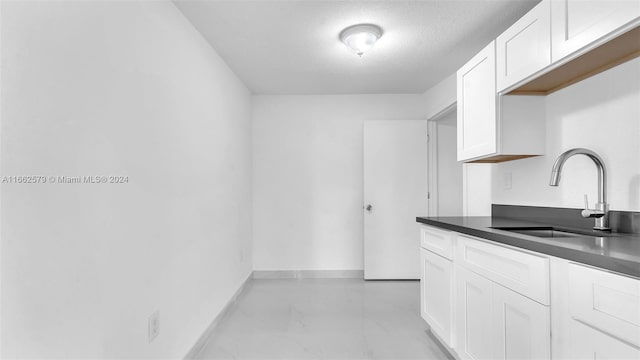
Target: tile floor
324,319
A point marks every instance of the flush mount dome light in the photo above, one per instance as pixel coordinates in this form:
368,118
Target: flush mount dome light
360,38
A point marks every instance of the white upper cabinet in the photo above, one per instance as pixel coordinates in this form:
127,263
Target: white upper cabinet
477,105
556,44
525,47
575,24
494,128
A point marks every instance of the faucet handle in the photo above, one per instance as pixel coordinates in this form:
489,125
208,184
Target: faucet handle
593,213
586,202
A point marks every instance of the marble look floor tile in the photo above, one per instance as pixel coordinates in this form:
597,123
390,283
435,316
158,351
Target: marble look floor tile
324,319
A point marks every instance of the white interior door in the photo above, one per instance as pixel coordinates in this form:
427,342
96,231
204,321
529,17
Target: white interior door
395,192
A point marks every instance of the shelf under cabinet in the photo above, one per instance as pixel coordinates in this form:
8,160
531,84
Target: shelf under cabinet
610,54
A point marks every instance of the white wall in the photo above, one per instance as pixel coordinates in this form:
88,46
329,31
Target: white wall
441,96
308,176
601,113
118,88
0,182
476,178
476,190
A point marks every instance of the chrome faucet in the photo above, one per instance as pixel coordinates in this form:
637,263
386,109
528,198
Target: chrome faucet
600,213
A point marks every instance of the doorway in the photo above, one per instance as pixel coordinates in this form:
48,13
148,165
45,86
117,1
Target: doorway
445,172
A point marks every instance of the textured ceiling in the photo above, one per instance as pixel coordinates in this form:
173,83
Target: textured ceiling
292,46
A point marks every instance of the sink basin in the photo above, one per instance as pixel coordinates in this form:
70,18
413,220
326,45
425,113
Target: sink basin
543,232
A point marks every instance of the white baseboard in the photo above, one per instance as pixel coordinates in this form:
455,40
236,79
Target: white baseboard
308,274
204,338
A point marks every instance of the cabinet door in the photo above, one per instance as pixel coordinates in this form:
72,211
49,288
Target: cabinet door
607,302
525,47
476,82
475,331
436,287
596,314
523,326
587,343
578,23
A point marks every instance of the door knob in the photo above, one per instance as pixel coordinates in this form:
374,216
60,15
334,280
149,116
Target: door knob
369,207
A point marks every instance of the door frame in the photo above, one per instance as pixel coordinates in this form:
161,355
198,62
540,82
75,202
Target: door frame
0,188
432,158
1,206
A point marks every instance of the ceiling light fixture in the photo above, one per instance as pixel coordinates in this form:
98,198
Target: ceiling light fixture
360,38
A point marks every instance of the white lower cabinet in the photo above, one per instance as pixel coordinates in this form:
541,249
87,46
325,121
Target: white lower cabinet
497,323
436,290
475,330
520,271
489,301
523,326
596,313
588,343
477,297
436,282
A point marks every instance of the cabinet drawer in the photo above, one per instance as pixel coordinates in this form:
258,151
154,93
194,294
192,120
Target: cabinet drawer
437,241
522,272
607,302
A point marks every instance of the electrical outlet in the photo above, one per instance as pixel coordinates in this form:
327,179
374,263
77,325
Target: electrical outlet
154,326
507,181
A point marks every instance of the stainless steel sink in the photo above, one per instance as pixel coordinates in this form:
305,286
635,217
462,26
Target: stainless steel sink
543,232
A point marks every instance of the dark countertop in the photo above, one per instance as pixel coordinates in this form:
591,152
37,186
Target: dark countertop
617,252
